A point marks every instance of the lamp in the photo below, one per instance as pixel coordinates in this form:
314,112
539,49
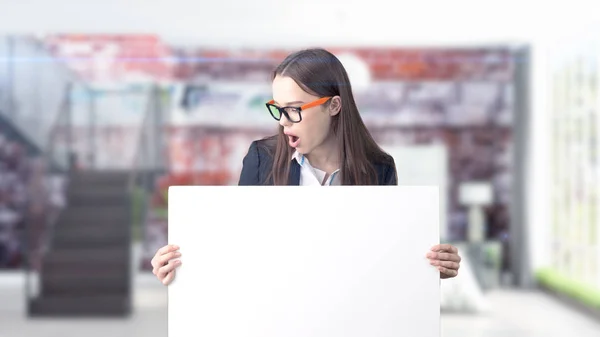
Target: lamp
358,71
475,195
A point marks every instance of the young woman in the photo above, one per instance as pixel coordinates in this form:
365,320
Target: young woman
322,140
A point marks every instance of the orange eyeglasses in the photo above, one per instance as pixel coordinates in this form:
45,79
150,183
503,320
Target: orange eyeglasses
292,113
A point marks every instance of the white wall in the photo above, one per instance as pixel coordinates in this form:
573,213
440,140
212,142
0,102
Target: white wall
276,23
335,22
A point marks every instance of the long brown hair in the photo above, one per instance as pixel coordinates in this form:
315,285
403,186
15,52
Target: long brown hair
320,73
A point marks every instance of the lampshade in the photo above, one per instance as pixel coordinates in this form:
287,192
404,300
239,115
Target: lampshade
358,71
475,194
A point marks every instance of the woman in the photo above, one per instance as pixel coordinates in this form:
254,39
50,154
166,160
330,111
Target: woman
322,140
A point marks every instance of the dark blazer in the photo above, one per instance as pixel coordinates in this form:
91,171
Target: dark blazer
258,162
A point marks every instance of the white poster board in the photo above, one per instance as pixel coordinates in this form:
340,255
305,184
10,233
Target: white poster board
289,261
426,164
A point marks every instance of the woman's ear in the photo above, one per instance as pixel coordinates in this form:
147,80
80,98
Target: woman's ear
335,105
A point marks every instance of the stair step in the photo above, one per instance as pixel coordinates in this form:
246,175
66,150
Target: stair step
101,189
91,255
85,231
68,240
94,224
104,264
95,215
97,198
90,260
83,282
118,178
81,306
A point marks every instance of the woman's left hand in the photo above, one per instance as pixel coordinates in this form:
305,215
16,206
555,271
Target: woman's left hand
445,257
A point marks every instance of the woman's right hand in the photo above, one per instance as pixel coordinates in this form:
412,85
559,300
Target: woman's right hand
163,265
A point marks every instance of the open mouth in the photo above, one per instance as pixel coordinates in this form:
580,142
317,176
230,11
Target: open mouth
294,141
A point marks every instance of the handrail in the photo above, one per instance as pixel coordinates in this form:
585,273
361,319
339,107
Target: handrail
63,108
62,122
144,163
66,75
139,147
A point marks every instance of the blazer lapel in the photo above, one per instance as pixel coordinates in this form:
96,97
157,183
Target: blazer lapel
294,178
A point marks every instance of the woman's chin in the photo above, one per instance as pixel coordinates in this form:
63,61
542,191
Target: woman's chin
300,150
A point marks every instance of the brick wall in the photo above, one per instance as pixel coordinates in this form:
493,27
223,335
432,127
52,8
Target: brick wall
384,63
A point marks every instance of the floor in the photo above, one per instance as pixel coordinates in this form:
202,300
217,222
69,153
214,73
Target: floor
513,313
520,314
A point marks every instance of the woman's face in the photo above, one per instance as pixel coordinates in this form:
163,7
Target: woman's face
313,130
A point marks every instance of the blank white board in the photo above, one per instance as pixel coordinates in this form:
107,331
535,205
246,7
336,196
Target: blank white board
424,164
291,261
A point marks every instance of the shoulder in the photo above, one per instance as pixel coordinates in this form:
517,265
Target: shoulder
261,150
265,147
385,166
257,162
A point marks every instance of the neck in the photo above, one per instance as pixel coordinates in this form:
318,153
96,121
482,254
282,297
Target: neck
325,157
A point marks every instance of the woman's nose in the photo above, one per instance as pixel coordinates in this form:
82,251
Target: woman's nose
284,121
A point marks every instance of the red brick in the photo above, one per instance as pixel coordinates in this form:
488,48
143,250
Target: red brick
381,71
410,70
277,55
214,53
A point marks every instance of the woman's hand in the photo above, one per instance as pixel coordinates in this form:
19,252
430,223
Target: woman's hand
163,265
445,257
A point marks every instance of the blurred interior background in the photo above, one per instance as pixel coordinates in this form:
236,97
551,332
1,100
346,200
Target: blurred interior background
104,105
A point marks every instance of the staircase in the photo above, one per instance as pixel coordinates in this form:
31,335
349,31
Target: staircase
87,271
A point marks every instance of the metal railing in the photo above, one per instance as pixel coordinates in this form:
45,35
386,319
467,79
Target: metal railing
34,101
149,159
75,130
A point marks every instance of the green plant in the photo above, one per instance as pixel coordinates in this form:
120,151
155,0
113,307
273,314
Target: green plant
579,291
137,208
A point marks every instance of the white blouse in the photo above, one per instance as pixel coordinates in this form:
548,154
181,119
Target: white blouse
310,176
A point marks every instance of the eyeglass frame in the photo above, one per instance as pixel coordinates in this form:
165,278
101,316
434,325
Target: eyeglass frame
282,110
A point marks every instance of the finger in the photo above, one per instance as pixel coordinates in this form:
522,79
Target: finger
444,247
155,265
163,271
445,264
167,249
169,278
447,272
156,260
162,251
445,257
165,258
